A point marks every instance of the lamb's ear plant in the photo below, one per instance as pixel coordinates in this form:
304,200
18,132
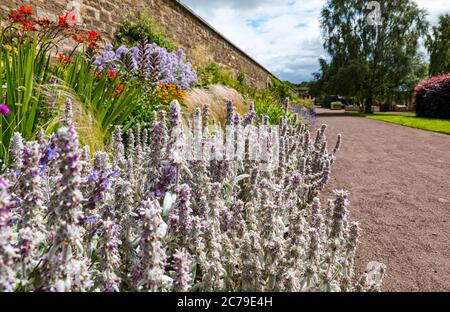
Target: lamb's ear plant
149,217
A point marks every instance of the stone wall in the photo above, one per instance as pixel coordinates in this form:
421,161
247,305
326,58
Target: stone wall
201,42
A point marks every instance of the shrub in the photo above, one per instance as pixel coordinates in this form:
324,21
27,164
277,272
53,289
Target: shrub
336,105
266,105
139,220
432,97
144,28
212,74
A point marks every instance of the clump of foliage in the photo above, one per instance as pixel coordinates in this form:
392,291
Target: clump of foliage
27,45
150,63
132,32
432,97
212,74
267,101
108,95
163,76
336,105
140,220
438,45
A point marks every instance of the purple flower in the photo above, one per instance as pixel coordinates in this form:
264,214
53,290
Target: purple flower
170,173
4,110
105,183
154,63
93,176
51,153
91,219
116,173
53,80
159,193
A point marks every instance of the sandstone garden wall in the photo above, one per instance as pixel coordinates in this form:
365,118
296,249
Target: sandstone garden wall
201,42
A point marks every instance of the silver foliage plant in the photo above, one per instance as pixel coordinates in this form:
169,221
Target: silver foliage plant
143,218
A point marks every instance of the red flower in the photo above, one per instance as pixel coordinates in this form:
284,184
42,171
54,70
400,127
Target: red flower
99,74
44,22
28,25
71,18
78,38
26,10
93,35
63,58
68,19
111,74
120,88
91,45
15,17
62,21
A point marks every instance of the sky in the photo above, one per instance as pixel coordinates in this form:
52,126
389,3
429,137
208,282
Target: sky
282,35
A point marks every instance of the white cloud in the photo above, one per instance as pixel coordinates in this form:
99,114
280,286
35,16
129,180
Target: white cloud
434,8
282,35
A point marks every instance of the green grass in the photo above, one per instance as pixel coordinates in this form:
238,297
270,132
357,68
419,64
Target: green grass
409,120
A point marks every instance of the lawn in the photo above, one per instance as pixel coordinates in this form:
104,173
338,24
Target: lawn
409,120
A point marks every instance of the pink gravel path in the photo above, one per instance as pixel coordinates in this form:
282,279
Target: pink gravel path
399,184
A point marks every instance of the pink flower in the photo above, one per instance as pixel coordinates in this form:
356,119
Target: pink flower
4,110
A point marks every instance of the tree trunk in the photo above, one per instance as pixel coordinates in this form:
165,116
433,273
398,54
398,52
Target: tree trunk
368,105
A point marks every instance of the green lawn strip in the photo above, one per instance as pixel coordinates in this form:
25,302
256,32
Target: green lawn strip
409,120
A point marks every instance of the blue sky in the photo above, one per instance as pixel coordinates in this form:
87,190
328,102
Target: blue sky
282,35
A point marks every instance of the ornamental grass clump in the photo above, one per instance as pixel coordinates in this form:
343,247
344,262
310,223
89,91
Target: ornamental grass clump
181,207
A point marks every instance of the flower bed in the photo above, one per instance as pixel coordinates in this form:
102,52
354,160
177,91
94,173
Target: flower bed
146,218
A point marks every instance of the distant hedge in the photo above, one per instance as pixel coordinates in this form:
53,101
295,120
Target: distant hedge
432,97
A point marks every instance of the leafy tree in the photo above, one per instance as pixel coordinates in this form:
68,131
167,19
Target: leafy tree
370,60
438,44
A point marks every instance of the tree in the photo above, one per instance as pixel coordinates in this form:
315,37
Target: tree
372,50
438,45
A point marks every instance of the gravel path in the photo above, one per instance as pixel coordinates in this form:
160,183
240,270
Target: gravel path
399,184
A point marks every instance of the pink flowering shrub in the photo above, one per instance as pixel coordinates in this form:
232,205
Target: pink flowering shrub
432,97
145,218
